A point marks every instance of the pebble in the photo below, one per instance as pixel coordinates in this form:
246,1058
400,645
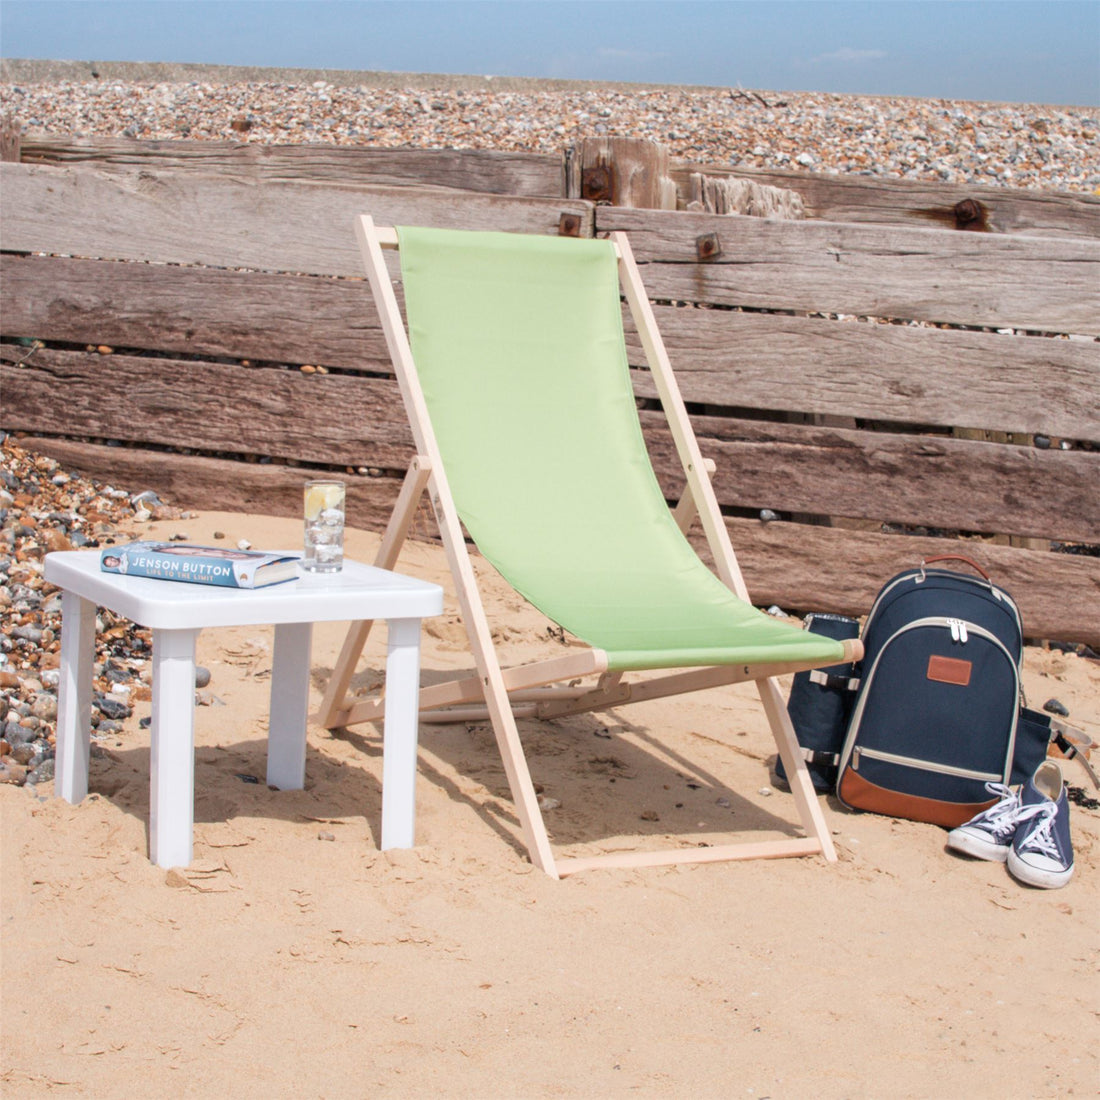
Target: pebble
25,753
941,140
111,708
12,773
45,707
43,773
16,734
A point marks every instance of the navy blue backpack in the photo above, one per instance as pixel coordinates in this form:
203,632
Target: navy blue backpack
938,706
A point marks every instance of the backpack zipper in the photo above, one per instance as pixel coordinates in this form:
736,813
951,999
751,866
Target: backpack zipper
923,765
918,578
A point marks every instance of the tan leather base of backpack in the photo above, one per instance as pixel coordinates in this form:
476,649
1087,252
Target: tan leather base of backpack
856,792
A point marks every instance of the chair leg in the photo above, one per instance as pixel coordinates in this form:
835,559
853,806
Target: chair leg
335,703
798,776
501,715
480,638
526,801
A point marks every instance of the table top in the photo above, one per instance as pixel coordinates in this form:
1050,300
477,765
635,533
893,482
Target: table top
357,592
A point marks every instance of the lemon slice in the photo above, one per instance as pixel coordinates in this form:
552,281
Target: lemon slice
320,497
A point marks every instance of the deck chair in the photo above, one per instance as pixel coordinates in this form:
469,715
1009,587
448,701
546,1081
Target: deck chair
515,377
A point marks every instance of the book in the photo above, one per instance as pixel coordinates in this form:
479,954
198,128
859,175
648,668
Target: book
184,561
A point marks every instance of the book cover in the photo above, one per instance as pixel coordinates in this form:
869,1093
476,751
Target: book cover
183,561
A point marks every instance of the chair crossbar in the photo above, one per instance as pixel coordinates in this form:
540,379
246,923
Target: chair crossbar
719,853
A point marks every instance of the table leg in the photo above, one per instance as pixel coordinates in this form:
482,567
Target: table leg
172,748
286,738
74,704
399,733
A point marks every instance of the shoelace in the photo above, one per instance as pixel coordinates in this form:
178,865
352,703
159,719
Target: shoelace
1040,839
1000,819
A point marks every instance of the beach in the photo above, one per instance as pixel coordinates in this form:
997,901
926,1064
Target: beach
294,959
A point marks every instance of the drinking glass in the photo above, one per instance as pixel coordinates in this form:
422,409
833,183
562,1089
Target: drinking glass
324,530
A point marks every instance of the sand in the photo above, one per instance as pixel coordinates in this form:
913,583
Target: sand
294,959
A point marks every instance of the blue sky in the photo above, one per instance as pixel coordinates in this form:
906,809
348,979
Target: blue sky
1013,50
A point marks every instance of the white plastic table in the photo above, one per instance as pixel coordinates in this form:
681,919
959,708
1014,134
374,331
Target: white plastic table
176,612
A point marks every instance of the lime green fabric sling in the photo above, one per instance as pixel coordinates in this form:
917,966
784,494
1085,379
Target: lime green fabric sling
519,348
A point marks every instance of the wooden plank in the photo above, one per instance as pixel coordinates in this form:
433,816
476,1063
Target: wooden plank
346,420
765,361
500,173
893,373
213,484
926,480
911,479
825,569
797,567
202,311
838,198
915,203
1036,283
184,217
915,480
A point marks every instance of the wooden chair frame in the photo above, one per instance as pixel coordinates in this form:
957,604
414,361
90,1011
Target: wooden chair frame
502,695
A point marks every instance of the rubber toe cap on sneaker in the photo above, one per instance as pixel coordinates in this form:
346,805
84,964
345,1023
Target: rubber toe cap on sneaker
1039,870
976,843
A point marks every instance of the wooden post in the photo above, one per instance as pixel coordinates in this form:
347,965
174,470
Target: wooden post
10,138
729,195
630,172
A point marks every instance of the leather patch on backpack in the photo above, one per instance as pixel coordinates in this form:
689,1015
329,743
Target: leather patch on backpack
949,670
